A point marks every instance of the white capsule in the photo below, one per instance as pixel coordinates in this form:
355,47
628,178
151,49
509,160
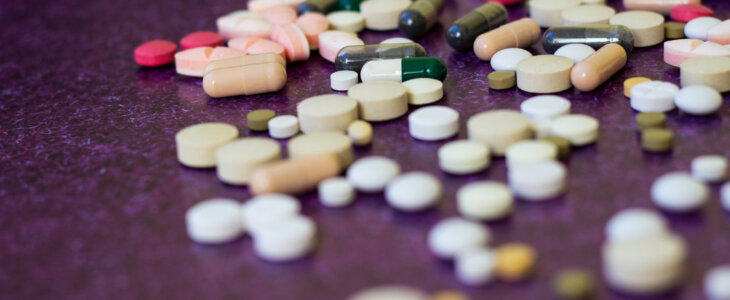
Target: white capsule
386,69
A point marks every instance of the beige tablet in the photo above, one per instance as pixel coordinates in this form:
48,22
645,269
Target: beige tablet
647,27
544,74
499,129
196,144
326,113
712,71
236,160
322,142
380,100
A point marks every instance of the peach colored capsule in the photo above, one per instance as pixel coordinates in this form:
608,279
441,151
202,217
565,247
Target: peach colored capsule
593,71
294,175
254,45
330,42
312,24
192,62
677,51
244,80
518,34
720,33
293,40
280,14
245,61
243,23
660,6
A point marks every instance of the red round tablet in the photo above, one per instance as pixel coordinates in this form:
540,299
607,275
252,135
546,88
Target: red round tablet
506,2
687,12
201,39
155,53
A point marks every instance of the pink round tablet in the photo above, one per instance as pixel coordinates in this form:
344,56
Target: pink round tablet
312,24
192,62
687,12
256,46
155,53
280,14
330,42
506,2
293,40
720,33
677,51
201,39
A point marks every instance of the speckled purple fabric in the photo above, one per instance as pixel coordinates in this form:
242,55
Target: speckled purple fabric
93,200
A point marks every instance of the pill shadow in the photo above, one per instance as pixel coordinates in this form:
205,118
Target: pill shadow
674,293
705,123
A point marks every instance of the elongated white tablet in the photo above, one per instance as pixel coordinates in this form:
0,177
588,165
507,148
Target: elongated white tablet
214,221
262,210
196,144
697,28
580,130
476,266
343,80
413,191
372,174
453,235
237,160
485,200
463,157
336,192
433,123
635,223
710,168
538,181
653,96
285,240
545,107
530,151
576,52
350,21
424,90
698,100
679,192
507,59
390,292
283,127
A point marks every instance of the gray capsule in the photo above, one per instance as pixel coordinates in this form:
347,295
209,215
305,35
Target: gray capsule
464,31
419,17
595,36
354,57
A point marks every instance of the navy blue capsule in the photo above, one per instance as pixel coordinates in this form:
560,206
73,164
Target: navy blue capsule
419,17
595,36
464,31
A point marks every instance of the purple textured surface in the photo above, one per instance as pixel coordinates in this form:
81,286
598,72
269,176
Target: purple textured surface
93,200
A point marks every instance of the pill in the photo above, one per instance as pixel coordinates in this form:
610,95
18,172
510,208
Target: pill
330,42
688,12
380,100
343,80
699,27
360,132
243,23
453,235
449,295
256,45
433,123
635,224
350,21
579,129
648,120
312,24
389,292
485,200
549,12
353,5
538,181
710,71
372,174
258,120
382,14
663,7
287,240
462,33
326,113
245,60
657,140
587,15
197,144
501,80
424,90
529,152
561,143
507,2
515,261
518,34
353,58
413,191
280,14
544,74
322,142
192,62
260,211
725,196
498,129
507,59
214,221
283,127
336,192
545,107
236,160
673,30
593,2
317,6
463,157
646,26
201,39
709,168
155,53
631,82
295,175
245,78
595,36
576,52
717,283
419,17
590,73
296,45
540,127
679,192
573,284
719,33
403,69
698,100
396,40
259,6
656,96
476,266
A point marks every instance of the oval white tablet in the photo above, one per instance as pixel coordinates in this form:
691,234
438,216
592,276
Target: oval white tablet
390,292
413,191
463,157
476,266
653,96
433,123
538,181
679,192
424,90
350,21
397,40
451,236
336,192
507,59
372,174
485,200
262,210
285,240
635,223
545,107
725,196
343,80
214,221
698,100
580,130
717,283
697,28
709,168
576,52
530,151
283,127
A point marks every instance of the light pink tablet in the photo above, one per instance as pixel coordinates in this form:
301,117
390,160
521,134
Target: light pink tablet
720,33
280,14
677,51
243,24
330,42
293,40
192,62
256,45
312,24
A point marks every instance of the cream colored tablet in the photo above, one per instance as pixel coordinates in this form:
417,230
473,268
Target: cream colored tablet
538,181
360,132
647,26
485,200
463,157
544,74
545,107
214,221
587,15
380,100
710,71
528,152
196,144
236,160
382,14
287,240
579,129
548,13
499,129
350,21
390,292
323,142
424,90
326,113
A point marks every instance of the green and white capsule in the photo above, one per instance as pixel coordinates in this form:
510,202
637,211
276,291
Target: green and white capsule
403,69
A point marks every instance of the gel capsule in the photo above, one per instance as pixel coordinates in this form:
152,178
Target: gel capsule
595,36
403,69
354,57
321,6
464,31
418,18
588,74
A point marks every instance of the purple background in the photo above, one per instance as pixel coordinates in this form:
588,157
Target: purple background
93,198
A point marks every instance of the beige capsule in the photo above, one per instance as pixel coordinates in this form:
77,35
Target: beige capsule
295,175
245,60
244,80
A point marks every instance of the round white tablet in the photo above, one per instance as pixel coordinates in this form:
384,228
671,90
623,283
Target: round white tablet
343,80
286,240
530,151
545,107
397,40
433,123
372,174
336,192
697,28
413,191
350,21
587,15
578,129
538,181
390,292
214,221
485,200
451,236
262,210
424,90
698,100
653,96
282,127
679,192
709,168
507,59
635,223
475,266
576,52
725,196
717,283
463,157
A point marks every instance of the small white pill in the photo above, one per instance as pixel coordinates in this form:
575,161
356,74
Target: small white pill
350,21
463,157
697,28
214,221
725,196
390,292
653,96
507,59
451,236
679,192
343,80
336,192
282,127
529,151
717,283
433,123
545,107
698,100
372,174
424,90
476,266
397,40
576,52
538,181
540,127
635,223
709,168
413,191
286,240
580,130
262,210
485,200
